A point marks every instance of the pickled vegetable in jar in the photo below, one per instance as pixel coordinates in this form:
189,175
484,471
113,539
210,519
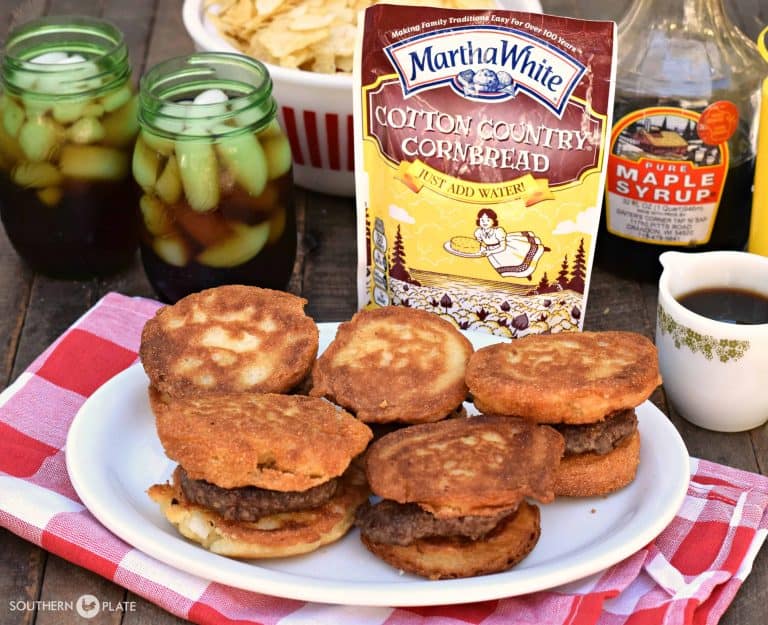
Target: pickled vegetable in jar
215,170
68,121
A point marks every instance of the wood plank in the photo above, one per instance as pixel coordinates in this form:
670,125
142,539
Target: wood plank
296,283
168,35
21,562
751,606
147,613
15,285
14,13
331,259
74,7
21,566
135,20
67,582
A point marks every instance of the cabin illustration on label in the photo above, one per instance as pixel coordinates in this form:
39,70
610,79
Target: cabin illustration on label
661,142
668,137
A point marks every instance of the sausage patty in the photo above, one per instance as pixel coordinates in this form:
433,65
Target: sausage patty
392,523
250,503
601,437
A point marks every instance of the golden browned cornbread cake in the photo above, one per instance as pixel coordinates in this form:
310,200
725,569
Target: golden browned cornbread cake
279,442
587,386
394,364
451,557
591,474
260,475
573,377
272,535
229,339
453,494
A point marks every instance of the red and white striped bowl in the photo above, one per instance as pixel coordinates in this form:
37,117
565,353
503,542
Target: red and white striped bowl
315,110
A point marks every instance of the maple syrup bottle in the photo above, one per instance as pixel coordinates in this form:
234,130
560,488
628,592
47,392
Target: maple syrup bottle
682,151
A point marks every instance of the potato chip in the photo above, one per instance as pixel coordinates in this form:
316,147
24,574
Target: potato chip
313,35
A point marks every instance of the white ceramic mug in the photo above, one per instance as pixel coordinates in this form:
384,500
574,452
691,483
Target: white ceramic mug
715,373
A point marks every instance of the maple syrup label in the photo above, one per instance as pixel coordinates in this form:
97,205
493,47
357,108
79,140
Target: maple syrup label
666,173
480,141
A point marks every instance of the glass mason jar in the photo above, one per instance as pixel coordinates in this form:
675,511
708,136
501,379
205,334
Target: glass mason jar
682,153
215,169
68,118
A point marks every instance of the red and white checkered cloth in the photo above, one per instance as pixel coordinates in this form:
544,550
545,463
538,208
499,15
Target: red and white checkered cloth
688,575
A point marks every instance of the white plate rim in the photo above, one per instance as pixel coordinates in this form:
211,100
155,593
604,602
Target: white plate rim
659,438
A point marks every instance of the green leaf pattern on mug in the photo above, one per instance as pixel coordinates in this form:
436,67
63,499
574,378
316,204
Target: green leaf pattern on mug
709,346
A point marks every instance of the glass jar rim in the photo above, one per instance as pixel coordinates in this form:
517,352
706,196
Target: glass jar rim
165,90
106,67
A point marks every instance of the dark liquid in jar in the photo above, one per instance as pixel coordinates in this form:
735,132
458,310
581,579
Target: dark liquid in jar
91,231
737,306
270,268
640,261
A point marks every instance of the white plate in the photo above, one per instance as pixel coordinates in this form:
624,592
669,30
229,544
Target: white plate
114,455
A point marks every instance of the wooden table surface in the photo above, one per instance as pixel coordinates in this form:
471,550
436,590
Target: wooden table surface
34,310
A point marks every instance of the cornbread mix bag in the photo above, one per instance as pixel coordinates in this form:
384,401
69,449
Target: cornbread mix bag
480,150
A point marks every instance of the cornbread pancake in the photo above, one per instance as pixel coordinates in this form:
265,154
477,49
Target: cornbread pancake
564,378
451,557
229,339
279,442
591,474
474,466
586,385
453,494
276,535
394,364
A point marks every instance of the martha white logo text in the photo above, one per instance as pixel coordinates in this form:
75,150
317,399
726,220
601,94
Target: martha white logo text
486,63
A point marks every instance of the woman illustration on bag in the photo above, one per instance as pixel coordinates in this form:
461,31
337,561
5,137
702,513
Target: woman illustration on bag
512,255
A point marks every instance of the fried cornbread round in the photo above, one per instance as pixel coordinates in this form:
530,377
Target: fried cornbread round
574,377
273,536
460,467
229,339
394,364
279,442
592,475
453,557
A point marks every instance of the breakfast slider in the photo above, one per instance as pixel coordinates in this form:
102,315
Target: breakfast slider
586,385
453,494
260,476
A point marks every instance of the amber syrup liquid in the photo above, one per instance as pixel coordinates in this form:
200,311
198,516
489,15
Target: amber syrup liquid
640,261
271,268
91,231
